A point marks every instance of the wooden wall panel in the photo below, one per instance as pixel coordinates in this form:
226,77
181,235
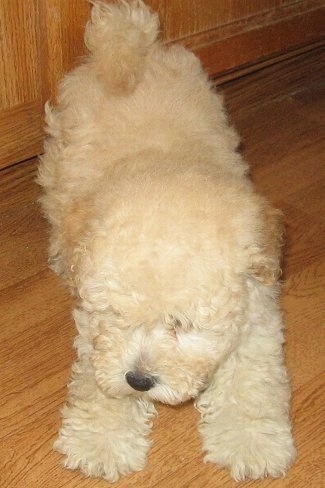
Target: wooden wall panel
19,69
40,40
62,23
20,81
21,134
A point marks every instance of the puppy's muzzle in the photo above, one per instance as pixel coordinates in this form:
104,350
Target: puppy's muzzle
140,381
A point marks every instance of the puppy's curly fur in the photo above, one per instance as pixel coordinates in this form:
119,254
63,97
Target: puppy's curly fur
174,258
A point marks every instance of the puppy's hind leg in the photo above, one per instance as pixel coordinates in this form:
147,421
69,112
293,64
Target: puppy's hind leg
119,38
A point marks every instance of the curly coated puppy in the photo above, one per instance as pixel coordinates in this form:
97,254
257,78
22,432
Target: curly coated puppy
173,257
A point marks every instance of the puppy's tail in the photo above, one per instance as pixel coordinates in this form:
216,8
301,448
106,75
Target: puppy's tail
119,37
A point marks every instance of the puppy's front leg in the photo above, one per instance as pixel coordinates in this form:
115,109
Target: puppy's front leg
101,435
245,424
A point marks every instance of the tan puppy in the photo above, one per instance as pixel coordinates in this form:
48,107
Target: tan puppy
174,259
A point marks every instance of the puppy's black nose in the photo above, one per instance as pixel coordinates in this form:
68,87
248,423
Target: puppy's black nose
140,381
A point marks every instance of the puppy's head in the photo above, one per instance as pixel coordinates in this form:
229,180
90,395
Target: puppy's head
166,285
165,348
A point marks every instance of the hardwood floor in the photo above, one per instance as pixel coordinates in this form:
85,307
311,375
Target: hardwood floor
280,113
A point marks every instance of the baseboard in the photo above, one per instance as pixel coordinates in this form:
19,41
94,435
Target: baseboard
261,39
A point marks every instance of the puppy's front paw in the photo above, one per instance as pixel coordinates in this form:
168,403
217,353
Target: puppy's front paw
100,454
105,438
263,448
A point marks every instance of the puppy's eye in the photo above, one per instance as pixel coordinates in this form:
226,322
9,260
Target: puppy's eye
178,323
173,321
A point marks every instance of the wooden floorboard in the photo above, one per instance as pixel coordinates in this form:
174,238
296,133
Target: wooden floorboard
280,113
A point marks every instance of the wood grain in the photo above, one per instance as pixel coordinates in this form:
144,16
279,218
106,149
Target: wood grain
19,68
62,28
280,114
40,40
20,81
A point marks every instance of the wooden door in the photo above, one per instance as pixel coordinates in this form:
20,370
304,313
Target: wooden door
20,81
39,40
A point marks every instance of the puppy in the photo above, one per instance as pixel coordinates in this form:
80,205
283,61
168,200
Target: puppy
173,257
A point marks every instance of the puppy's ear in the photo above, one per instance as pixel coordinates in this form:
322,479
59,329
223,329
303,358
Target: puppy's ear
265,256
74,241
